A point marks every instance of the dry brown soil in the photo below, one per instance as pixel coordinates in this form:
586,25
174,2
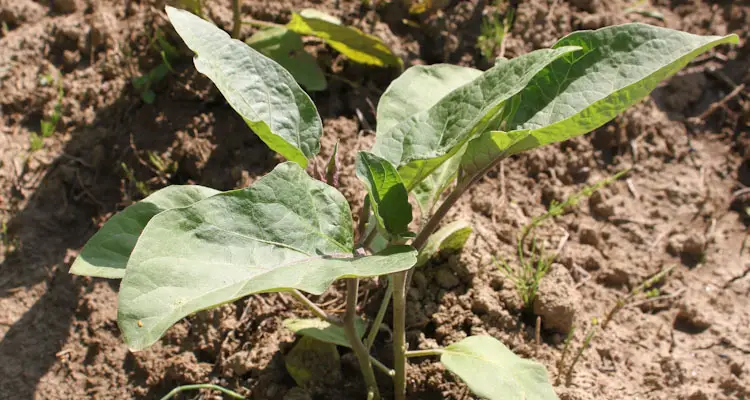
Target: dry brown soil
682,204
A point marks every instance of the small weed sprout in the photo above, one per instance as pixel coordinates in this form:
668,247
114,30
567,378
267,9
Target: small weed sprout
47,126
494,30
652,294
531,270
534,267
439,128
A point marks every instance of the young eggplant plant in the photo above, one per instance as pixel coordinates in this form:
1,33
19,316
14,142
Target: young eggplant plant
189,248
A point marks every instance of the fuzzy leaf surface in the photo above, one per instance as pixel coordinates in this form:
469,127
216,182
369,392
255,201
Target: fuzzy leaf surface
286,48
388,196
265,94
106,254
419,144
616,67
286,231
493,372
418,89
351,42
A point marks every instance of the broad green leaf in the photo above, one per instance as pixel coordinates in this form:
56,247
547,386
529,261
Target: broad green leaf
323,330
286,48
351,42
265,94
419,144
451,237
616,67
418,89
493,372
490,147
106,254
388,196
286,231
312,362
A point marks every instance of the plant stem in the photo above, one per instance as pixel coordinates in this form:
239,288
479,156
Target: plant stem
363,356
586,341
237,19
424,353
399,334
382,367
379,316
179,389
435,219
314,307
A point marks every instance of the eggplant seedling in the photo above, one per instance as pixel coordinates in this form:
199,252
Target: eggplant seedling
189,248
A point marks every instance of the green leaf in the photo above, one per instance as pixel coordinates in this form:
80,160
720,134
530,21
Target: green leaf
286,48
312,362
351,42
419,144
616,68
323,330
418,89
286,231
490,147
388,196
260,90
429,190
451,237
493,372
106,254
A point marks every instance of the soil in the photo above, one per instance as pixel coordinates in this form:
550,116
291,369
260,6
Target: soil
682,204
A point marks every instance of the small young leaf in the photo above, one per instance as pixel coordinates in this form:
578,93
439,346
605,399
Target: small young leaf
323,330
286,231
451,237
312,362
106,254
351,42
419,144
260,90
388,196
286,48
418,89
493,372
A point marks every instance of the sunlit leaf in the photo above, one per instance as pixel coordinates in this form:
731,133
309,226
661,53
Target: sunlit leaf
616,67
265,94
286,231
493,372
351,42
106,254
420,143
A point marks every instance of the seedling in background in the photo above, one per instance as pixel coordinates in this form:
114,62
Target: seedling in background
494,30
189,248
144,83
47,126
284,44
644,287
